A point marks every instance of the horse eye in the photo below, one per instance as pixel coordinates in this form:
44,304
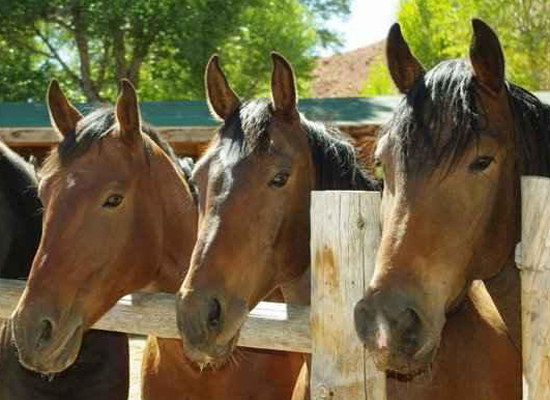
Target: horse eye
113,201
481,163
379,170
279,180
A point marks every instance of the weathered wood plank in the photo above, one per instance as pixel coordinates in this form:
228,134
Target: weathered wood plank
535,291
345,232
46,136
274,326
29,137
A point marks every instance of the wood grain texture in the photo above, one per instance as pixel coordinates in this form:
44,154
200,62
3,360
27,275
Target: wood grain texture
46,136
345,232
535,290
274,326
187,141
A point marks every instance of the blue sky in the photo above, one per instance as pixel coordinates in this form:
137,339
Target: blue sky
369,22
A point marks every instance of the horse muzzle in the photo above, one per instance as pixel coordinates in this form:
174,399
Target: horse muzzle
46,343
209,326
396,333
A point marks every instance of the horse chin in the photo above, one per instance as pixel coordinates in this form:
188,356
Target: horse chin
403,367
53,359
212,357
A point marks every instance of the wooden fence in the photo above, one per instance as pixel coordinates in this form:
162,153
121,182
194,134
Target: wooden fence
534,262
345,236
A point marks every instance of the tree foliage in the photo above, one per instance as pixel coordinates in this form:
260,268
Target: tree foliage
441,29
379,82
162,46
18,77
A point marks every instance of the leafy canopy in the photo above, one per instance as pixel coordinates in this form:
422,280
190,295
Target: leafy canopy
441,29
162,46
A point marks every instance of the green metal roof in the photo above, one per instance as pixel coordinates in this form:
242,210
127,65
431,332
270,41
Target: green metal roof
195,112
343,111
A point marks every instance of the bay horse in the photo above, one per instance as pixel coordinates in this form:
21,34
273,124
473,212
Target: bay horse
120,216
254,185
452,155
103,359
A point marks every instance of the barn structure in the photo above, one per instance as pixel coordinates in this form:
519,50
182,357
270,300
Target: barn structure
188,126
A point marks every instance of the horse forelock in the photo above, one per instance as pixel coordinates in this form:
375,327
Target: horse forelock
335,159
245,130
91,129
440,119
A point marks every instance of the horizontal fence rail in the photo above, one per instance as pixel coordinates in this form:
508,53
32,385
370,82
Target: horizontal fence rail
274,326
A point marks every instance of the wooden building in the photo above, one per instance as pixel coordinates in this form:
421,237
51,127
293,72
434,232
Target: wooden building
188,126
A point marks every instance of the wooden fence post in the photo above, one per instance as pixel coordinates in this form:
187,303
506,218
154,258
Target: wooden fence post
535,282
345,233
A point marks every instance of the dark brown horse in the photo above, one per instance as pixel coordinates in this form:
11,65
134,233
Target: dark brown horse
452,155
103,358
254,185
119,216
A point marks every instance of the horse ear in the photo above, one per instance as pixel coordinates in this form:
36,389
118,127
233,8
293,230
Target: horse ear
127,111
63,115
487,57
404,68
222,100
283,87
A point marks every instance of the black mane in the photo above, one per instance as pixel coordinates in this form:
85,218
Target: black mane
18,183
336,163
94,127
439,119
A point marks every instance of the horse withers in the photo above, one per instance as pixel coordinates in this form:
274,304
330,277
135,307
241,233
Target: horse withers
447,212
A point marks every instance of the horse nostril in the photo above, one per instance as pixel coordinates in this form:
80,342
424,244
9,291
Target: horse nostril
411,326
46,333
363,320
214,314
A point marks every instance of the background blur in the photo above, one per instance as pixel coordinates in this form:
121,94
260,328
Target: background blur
336,46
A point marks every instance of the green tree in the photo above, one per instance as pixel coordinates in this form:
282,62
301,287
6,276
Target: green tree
18,78
378,82
162,46
323,10
281,25
440,29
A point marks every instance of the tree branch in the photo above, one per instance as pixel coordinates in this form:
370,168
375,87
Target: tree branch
80,31
103,64
56,55
119,52
15,42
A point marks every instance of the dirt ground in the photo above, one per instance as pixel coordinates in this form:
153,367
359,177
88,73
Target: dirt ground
136,350
342,75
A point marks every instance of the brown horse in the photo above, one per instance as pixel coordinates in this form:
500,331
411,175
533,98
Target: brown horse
452,155
119,216
254,185
103,359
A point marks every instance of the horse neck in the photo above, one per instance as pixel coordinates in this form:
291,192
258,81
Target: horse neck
179,215
505,286
19,188
505,290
